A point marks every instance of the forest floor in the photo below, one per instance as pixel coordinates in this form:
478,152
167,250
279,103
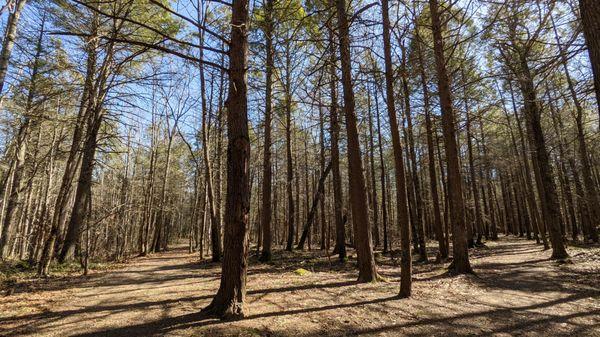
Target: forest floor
517,291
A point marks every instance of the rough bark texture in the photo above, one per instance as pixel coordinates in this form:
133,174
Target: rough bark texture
228,303
358,194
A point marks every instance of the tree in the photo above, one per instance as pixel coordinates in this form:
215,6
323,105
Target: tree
267,179
358,196
107,62
460,252
520,46
215,217
401,194
228,303
429,131
591,193
10,34
21,139
590,20
340,224
91,44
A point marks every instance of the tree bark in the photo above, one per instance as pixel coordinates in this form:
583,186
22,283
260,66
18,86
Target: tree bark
565,180
267,173
429,131
590,19
338,197
541,227
474,189
69,171
94,119
228,303
400,176
289,159
358,195
544,169
460,250
322,215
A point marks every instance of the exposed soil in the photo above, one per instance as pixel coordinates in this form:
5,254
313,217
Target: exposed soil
517,291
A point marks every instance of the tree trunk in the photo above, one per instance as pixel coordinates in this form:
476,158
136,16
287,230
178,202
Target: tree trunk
289,160
373,184
418,221
324,244
311,214
84,187
68,175
228,303
215,223
23,132
401,193
584,215
590,19
338,197
541,227
358,195
544,169
382,176
149,195
474,189
267,174
591,193
460,250
429,131
94,118
8,43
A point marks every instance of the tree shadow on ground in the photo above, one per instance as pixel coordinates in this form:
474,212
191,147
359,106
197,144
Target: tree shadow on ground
532,276
519,275
52,315
512,321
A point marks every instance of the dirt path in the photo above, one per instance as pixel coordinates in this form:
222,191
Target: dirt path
518,291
